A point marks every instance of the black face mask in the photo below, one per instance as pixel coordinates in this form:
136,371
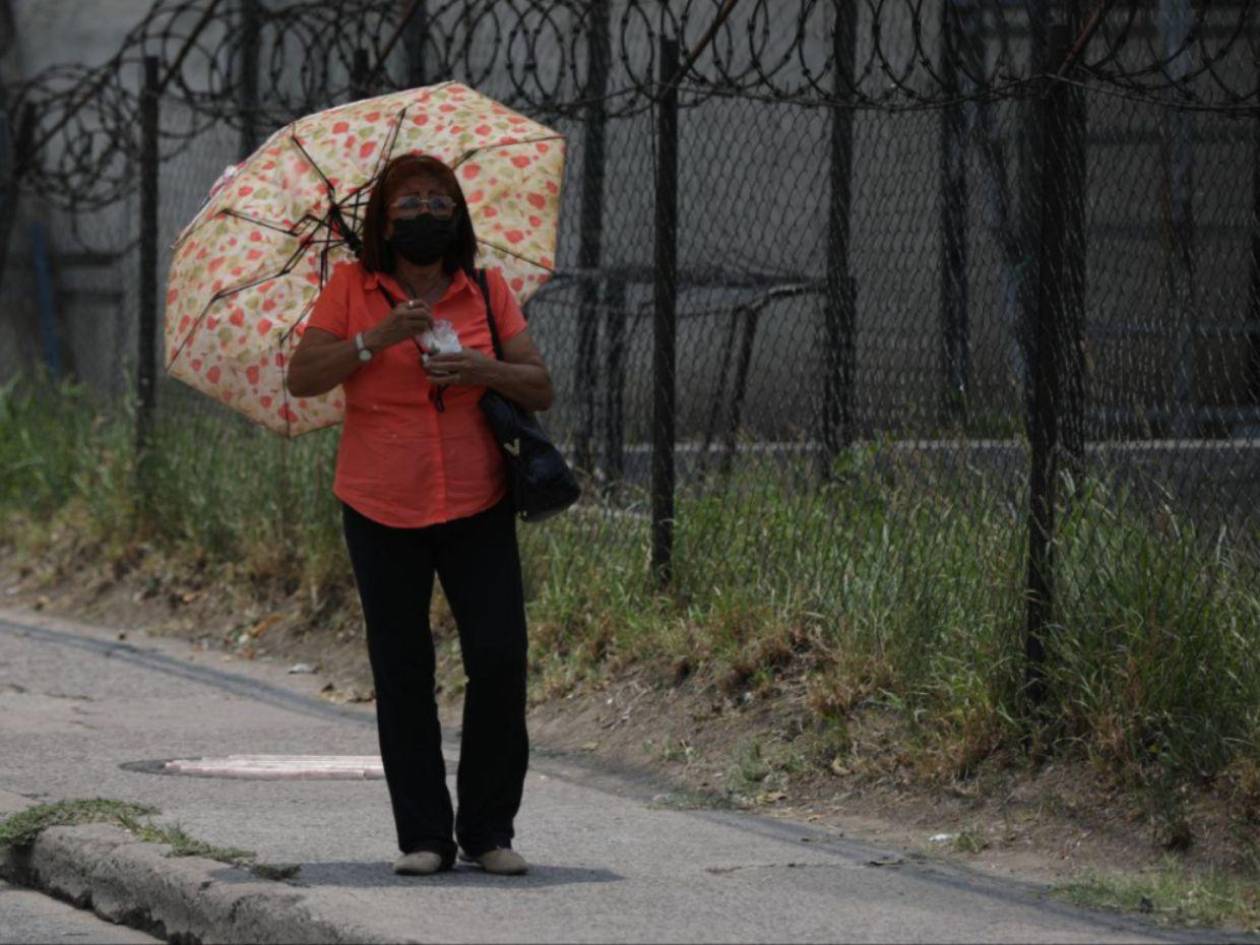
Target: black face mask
422,239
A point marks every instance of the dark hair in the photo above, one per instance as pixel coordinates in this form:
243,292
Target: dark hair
377,256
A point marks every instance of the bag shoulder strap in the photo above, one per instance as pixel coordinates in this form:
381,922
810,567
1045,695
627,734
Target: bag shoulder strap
484,284
389,296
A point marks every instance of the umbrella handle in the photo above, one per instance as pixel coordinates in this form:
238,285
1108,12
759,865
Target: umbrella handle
435,391
347,232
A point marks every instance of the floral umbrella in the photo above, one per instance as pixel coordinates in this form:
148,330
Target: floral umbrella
246,271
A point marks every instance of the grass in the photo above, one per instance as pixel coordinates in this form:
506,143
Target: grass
182,844
1172,895
691,800
907,596
216,488
676,751
23,828
970,842
893,589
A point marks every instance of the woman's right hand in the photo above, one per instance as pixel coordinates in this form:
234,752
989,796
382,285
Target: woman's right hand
407,319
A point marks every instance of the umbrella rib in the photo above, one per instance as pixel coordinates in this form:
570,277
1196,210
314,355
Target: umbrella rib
294,230
507,252
306,310
390,141
297,143
287,268
512,144
221,294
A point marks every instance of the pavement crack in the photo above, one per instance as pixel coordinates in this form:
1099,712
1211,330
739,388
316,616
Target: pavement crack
790,865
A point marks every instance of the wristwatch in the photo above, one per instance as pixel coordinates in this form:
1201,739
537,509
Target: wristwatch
365,353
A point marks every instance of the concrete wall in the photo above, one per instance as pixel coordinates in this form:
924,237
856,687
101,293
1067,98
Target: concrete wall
91,299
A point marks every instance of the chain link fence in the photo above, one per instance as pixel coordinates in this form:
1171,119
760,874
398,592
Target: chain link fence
917,290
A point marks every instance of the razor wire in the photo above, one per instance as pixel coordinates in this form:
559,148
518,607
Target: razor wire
256,64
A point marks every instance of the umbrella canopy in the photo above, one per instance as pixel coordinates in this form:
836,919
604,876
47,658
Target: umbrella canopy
246,271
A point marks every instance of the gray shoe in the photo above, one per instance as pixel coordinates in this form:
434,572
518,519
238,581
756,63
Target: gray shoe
501,861
420,863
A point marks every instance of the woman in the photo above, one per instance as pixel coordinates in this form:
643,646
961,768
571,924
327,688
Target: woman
422,487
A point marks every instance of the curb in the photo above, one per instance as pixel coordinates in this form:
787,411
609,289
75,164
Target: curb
179,899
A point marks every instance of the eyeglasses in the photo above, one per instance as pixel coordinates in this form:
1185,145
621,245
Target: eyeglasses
410,205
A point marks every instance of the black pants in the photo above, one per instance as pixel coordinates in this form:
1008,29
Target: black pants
477,561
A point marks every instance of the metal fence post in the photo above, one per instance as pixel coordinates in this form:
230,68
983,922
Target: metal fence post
1048,359
591,234
666,315
250,26
615,383
45,304
1069,144
839,311
414,35
360,73
1253,301
1176,24
14,152
1031,164
146,371
955,342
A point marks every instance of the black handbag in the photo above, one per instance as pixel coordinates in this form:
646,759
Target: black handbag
540,482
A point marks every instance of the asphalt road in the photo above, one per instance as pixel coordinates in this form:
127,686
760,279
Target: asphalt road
79,709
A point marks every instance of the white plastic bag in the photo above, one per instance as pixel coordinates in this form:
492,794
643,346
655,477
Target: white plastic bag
440,339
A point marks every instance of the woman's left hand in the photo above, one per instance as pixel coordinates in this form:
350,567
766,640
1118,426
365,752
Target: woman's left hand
467,368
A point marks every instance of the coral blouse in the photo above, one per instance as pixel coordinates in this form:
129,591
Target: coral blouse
402,462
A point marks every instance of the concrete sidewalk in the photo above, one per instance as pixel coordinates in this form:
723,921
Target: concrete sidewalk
83,713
